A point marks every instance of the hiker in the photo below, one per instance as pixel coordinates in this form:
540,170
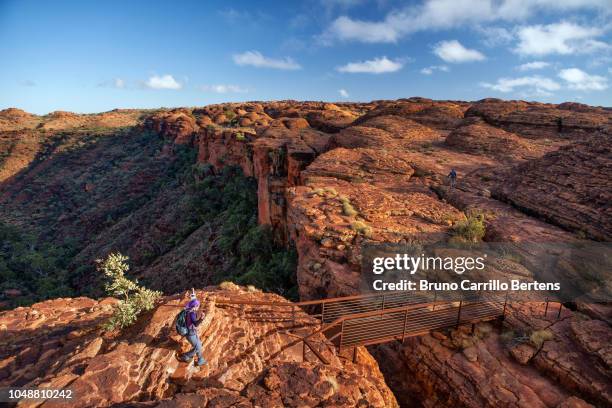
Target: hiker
191,322
452,176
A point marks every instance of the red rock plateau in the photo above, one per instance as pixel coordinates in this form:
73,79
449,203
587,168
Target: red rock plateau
331,177
253,358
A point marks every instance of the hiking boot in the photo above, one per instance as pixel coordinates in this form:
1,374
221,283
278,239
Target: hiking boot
184,358
202,362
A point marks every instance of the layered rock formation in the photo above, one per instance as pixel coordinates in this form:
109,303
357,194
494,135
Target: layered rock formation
569,187
493,366
255,357
538,120
333,177
476,137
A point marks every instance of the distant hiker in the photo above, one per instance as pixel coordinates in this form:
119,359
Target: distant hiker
452,176
186,325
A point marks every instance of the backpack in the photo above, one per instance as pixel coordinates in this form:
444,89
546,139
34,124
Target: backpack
181,323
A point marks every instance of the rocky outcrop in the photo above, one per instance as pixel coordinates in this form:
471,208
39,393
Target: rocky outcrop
353,196
401,128
476,137
178,125
332,177
435,114
569,187
539,120
483,368
255,357
17,119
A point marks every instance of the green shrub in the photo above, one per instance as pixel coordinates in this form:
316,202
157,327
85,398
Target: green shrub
134,300
229,114
250,255
472,229
38,271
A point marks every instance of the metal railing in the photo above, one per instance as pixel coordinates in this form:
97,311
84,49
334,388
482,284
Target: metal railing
361,320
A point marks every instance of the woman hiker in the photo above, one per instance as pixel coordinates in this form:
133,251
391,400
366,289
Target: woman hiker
192,322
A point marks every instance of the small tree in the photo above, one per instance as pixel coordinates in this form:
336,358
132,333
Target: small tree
134,300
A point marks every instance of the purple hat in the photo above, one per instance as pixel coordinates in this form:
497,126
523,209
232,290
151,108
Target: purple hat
193,303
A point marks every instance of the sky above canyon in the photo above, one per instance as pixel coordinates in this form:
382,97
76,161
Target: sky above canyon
91,56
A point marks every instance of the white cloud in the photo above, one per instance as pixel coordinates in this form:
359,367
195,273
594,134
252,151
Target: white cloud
119,83
580,80
533,65
559,38
495,36
343,93
452,51
241,17
163,82
347,29
223,89
256,59
533,84
374,66
444,14
430,69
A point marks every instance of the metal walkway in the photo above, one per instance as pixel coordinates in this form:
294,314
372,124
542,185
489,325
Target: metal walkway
363,320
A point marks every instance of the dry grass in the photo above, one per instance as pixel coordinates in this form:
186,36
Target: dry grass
227,285
538,337
361,228
347,207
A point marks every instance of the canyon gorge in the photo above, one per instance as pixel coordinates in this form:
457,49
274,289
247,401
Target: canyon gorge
281,197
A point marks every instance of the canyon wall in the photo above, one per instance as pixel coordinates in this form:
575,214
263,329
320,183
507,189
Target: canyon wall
331,177
328,188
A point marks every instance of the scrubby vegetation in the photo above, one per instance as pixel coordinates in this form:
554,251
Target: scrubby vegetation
347,207
134,299
134,192
32,271
538,337
361,228
472,229
250,254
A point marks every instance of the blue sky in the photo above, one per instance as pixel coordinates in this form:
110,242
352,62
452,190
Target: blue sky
91,56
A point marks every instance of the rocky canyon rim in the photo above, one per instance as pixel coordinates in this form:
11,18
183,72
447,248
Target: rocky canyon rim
330,177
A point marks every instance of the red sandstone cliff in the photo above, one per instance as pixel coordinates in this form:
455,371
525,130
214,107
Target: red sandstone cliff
331,177
382,178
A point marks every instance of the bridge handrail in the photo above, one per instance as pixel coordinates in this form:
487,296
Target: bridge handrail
291,304
381,312
231,301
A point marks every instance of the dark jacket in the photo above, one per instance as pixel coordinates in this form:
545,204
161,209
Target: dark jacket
192,321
